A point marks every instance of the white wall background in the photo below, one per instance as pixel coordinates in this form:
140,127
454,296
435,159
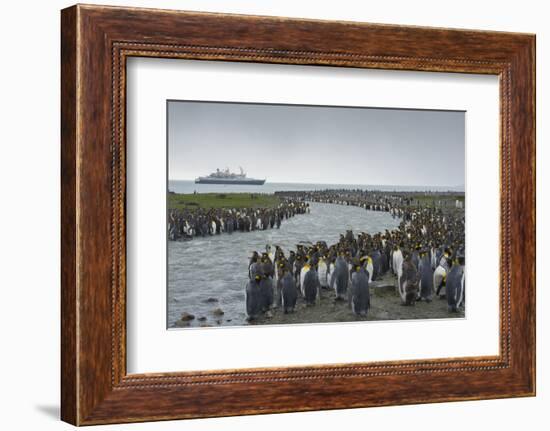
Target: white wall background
29,215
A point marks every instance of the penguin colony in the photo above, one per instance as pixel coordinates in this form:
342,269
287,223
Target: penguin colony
184,224
426,254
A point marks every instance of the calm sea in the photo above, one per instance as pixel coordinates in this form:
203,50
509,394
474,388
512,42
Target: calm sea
187,186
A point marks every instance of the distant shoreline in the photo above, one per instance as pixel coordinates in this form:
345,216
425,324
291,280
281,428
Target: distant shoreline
189,186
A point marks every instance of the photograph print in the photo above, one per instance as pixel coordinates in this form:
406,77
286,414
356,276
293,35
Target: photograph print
299,214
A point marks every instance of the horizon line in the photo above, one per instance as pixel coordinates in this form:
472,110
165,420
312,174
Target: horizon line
340,184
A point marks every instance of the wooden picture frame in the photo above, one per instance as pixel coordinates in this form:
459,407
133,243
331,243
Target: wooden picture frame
95,43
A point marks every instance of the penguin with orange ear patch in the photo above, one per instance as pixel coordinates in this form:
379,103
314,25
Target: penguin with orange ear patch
360,295
283,267
339,278
409,281
366,261
289,293
253,293
310,285
426,277
455,284
266,292
322,272
303,272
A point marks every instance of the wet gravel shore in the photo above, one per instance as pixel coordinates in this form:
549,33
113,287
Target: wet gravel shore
385,305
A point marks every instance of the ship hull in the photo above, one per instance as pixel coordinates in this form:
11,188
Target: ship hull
248,182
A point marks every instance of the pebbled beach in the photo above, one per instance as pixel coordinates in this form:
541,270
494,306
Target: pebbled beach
385,305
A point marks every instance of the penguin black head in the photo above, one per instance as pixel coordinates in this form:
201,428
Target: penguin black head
460,257
356,264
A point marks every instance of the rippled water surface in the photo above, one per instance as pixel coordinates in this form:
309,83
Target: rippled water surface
217,266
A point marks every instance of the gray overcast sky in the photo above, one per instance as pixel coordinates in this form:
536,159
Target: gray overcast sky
311,144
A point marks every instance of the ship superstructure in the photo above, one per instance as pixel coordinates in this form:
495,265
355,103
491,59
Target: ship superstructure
225,176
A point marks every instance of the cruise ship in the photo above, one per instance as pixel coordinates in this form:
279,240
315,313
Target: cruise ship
227,177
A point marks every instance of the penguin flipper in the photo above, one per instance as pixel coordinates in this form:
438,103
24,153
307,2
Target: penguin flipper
318,296
461,297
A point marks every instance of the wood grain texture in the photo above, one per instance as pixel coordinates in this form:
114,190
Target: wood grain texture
96,41
69,397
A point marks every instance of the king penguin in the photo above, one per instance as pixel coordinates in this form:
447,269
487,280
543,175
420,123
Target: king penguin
253,296
322,272
303,272
426,277
398,264
376,265
367,261
266,292
340,277
409,281
311,286
455,285
360,295
289,294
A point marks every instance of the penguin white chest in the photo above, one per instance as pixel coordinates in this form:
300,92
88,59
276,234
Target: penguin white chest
370,269
322,272
398,262
303,272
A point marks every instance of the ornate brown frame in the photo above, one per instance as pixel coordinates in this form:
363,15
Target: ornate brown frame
95,43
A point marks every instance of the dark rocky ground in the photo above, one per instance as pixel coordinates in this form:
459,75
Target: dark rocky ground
385,305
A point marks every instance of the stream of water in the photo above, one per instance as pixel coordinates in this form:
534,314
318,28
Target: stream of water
217,266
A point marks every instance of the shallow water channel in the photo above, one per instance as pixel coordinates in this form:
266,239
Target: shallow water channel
217,266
